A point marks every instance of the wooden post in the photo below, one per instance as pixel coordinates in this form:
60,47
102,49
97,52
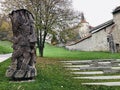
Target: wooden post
24,39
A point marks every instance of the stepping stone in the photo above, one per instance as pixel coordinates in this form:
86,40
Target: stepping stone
89,73
88,68
104,83
95,68
98,77
105,69
73,69
116,61
67,63
112,71
105,64
104,60
79,61
76,66
115,67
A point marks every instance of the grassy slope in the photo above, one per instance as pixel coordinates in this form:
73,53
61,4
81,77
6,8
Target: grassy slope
55,52
49,77
51,74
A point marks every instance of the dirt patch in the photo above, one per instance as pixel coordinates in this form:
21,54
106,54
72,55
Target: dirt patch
44,62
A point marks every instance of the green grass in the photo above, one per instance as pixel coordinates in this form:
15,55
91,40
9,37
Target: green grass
5,47
49,77
57,52
51,74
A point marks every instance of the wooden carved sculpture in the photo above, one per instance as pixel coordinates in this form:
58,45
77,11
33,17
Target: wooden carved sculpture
24,39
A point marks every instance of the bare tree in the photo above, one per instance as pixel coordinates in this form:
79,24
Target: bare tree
50,15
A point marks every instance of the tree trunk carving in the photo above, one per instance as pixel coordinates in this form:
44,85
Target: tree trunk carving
24,39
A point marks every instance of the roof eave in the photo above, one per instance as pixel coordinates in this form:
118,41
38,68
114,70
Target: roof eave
117,11
102,26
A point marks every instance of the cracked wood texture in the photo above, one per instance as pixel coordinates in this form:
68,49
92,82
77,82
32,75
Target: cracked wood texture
24,39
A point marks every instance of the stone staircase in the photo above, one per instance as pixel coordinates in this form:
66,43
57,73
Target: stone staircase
96,72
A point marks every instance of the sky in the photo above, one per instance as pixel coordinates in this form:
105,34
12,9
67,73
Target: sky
96,11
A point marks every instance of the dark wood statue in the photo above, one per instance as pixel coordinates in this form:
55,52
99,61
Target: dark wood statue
24,39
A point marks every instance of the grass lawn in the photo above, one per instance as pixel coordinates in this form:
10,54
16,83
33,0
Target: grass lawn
62,53
51,74
5,47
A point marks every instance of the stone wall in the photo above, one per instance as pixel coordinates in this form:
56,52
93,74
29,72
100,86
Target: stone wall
98,42
83,45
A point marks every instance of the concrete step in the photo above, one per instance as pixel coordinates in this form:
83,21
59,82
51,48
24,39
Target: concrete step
73,68
104,83
88,73
98,77
115,67
95,68
106,70
79,66
96,64
79,61
98,60
88,67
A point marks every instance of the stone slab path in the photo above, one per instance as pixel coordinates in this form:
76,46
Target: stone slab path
4,57
94,72
97,70
99,77
104,83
